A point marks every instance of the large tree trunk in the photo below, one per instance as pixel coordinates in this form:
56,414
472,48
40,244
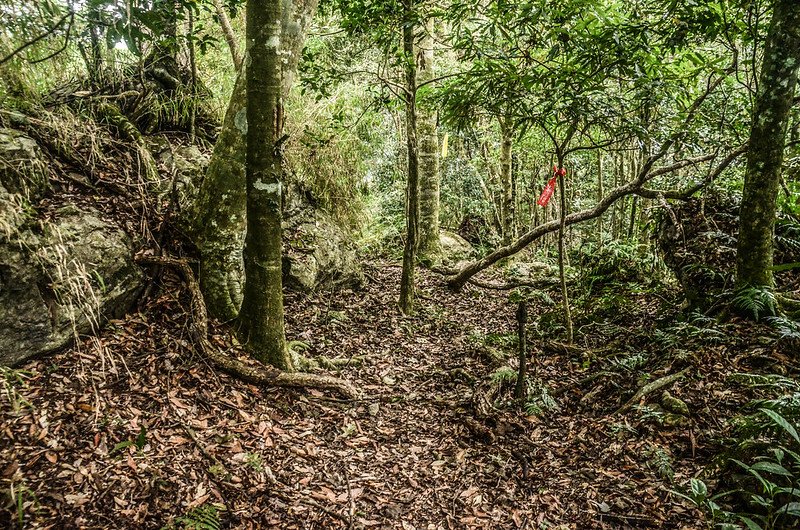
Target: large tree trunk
261,316
508,214
220,210
429,243
767,139
407,287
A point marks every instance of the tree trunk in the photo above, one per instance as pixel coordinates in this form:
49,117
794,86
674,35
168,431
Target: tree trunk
407,287
220,211
562,194
497,217
520,390
230,35
506,178
767,139
260,322
600,194
429,243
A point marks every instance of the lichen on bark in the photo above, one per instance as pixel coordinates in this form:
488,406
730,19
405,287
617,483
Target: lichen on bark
219,227
766,147
430,247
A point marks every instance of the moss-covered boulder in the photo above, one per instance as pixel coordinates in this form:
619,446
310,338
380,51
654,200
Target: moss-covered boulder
318,251
62,278
23,167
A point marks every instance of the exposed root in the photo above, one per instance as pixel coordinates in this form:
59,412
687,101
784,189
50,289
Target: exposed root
255,374
789,305
650,388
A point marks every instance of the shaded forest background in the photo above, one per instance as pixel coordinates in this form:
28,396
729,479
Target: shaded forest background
498,265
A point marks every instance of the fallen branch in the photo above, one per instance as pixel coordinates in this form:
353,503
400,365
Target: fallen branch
254,374
649,388
646,173
630,188
537,283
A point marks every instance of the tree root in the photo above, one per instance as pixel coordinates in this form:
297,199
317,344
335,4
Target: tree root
649,388
254,374
789,305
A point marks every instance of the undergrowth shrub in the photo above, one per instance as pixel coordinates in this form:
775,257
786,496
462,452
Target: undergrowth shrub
760,478
615,262
755,302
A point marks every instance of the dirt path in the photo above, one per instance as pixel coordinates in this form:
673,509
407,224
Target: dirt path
134,430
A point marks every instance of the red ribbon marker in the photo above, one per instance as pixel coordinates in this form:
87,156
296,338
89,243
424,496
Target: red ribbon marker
550,188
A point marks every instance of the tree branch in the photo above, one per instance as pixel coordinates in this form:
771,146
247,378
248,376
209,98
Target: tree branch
70,15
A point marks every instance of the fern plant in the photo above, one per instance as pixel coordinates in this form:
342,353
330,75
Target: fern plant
755,302
204,517
767,451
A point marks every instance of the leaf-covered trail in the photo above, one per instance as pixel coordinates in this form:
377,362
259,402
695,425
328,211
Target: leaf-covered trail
135,430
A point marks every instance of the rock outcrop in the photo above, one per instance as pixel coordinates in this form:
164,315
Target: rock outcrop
318,252
454,247
61,274
63,282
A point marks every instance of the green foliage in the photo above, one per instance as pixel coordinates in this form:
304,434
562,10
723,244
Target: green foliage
204,517
539,399
615,262
503,376
12,382
765,452
659,460
755,302
696,329
139,442
631,362
789,329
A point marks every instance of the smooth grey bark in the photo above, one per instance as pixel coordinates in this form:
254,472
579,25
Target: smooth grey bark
261,323
429,179
767,140
220,211
407,287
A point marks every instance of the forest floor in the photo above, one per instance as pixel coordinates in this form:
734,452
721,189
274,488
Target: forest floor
132,429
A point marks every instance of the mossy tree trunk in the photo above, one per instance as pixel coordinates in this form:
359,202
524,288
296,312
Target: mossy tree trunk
260,322
429,242
407,286
219,227
767,139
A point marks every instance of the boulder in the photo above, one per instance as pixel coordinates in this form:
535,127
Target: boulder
317,251
187,164
454,247
23,179
23,167
61,281
697,241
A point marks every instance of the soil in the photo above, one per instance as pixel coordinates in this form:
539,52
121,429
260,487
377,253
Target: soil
131,429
